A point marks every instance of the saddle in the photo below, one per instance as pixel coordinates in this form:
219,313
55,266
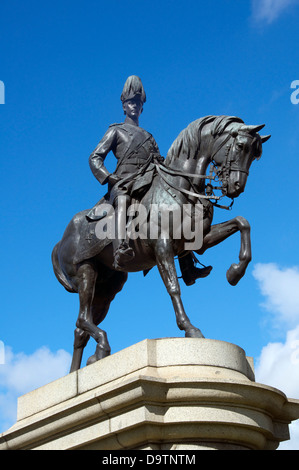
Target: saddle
89,244
92,240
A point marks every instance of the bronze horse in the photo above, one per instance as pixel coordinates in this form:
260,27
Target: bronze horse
222,144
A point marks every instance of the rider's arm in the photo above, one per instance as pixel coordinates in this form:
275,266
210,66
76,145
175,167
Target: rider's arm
155,150
96,159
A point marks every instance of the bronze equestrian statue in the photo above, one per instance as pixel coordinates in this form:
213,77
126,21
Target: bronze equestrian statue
213,149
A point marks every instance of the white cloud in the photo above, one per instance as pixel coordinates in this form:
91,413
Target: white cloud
270,10
280,288
22,373
278,364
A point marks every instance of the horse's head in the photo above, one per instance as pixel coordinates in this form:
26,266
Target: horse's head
240,145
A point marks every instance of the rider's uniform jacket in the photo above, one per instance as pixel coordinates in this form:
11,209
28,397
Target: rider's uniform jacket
132,147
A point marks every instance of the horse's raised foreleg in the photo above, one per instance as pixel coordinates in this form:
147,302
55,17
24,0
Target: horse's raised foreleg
166,266
86,281
219,233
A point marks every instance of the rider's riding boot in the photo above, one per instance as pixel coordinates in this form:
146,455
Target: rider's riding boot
122,252
190,272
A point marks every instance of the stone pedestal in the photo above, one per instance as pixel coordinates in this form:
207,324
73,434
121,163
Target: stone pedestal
164,394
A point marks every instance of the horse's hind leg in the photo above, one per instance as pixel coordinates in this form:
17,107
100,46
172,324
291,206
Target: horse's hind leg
104,294
80,340
86,281
166,266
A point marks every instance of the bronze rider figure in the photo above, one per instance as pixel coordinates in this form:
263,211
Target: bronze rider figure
135,149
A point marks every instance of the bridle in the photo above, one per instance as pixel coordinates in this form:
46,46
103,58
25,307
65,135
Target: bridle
216,174
223,173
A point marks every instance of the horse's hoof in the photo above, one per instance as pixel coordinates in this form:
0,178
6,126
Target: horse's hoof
99,354
233,274
91,360
102,353
194,333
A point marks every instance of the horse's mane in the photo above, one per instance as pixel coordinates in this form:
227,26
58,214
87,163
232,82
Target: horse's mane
188,141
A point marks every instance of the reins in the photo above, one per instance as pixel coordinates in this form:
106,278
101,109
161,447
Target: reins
225,168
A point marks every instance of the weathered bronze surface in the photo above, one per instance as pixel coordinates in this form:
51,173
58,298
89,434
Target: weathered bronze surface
212,154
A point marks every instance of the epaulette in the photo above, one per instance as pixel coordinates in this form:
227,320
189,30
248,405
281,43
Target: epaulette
116,124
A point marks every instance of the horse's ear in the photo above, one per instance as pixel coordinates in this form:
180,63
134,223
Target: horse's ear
252,129
265,138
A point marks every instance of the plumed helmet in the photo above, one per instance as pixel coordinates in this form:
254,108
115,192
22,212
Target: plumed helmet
132,88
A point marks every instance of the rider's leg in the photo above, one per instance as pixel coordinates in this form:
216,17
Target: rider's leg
121,250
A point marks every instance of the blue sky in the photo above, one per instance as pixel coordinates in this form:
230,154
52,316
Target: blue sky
63,64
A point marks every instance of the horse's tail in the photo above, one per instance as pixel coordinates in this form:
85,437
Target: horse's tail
58,272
